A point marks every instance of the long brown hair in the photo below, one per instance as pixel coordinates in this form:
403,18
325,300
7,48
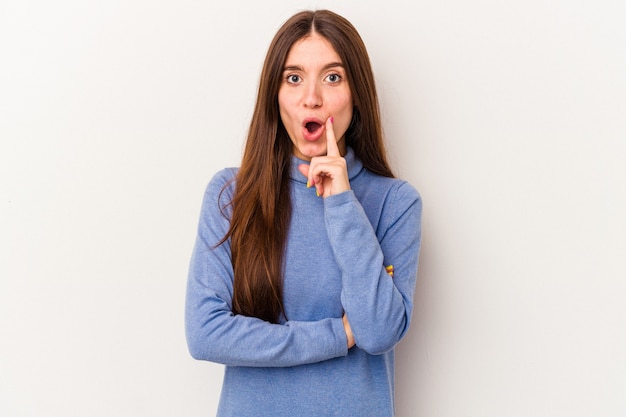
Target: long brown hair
261,203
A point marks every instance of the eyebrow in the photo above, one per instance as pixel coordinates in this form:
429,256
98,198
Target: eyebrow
326,67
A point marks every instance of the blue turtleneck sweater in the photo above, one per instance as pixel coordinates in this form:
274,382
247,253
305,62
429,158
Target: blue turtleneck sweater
336,256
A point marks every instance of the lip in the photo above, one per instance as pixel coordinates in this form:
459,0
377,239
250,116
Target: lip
312,137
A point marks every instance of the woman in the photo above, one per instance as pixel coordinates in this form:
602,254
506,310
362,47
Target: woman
302,277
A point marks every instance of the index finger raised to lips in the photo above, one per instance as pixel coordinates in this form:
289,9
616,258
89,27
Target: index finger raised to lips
331,141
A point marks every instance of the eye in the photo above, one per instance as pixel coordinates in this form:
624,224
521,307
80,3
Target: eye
293,79
333,78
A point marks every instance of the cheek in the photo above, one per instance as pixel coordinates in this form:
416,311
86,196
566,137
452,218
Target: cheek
285,108
343,112
281,105
342,121
341,104
286,116
282,99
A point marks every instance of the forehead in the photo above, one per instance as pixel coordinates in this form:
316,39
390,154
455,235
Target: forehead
310,50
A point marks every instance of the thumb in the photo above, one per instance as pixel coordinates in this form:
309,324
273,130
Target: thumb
304,169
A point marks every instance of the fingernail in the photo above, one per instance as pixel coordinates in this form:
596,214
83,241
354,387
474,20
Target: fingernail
332,120
389,270
317,193
308,184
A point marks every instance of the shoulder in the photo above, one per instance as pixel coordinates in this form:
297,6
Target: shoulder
219,191
222,181
391,190
406,192
402,199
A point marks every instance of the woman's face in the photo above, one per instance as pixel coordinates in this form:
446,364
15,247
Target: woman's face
314,87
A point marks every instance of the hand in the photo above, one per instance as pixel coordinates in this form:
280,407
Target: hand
329,174
348,329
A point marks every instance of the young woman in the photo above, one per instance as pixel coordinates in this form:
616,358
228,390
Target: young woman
302,277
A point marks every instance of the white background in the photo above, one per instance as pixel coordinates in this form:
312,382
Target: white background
508,116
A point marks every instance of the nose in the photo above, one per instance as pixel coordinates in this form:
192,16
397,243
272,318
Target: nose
312,96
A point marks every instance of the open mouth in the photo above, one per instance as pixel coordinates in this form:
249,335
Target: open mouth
312,127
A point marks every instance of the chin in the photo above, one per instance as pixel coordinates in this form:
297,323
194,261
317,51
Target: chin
309,151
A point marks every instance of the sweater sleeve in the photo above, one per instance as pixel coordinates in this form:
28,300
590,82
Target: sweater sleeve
215,334
378,306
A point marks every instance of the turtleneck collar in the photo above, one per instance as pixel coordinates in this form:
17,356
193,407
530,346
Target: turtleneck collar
354,166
